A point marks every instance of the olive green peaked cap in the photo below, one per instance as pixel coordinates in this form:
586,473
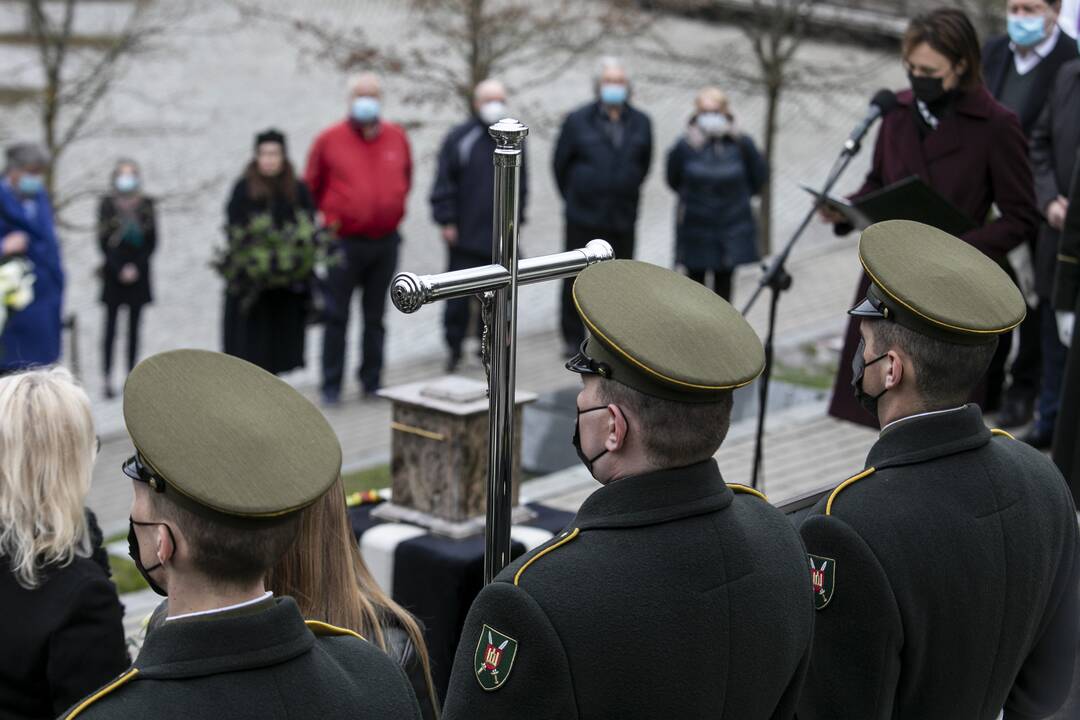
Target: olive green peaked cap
936,284
662,334
227,437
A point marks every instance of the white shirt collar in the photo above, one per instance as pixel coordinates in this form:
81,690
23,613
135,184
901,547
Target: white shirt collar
222,609
1027,63
919,415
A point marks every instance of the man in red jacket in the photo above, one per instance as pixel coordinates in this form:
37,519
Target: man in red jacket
359,171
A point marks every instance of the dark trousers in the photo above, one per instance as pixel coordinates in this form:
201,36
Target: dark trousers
721,280
457,311
1027,365
111,315
368,264
1054,356
578,236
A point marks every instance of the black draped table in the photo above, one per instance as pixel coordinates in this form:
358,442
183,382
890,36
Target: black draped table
437,578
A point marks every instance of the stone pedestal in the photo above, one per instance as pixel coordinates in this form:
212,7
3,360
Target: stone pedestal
439,455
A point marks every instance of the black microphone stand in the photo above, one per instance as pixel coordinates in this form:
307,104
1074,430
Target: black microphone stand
777,280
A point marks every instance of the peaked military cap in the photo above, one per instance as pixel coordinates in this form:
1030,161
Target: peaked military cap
226,439
662,334
936,284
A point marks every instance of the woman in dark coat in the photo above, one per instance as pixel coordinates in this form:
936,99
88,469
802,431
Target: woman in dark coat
61,625
1066,305
715,171
951,133
127,236
269,331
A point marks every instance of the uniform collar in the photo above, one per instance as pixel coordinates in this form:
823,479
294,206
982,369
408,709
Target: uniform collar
657,497
214,644
927,437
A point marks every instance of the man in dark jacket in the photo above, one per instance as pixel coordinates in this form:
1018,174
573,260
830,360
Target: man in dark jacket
221,448
1020,67
671,594
946,574
601,159
462,197
1054,142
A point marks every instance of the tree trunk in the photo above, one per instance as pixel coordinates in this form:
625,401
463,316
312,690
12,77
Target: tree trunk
773,88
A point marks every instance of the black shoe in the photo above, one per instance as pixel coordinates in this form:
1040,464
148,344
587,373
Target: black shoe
1038,440
109,392
1016,413
331,398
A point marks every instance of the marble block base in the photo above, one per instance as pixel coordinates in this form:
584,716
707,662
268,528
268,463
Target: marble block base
439,452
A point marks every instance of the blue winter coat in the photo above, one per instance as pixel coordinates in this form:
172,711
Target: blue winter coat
464,190
32,335
599,181
714,222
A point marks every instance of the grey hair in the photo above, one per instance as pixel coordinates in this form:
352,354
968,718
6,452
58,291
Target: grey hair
606,62
25,155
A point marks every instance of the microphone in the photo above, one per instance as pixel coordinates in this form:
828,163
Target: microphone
883,102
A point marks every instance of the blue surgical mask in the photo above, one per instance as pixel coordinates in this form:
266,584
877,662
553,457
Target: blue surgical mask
127,183
613,93
30,185
1026,30
365,109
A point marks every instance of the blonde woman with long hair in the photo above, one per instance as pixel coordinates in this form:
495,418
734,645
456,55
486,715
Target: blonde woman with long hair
326,575
61,628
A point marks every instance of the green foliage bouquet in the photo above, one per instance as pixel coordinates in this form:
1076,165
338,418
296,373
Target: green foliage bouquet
262,256
16,286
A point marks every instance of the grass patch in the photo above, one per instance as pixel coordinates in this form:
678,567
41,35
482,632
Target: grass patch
372,478
816,378
125,575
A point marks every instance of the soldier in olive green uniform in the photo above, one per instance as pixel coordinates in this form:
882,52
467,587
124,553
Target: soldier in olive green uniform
671,594
226,454
945,575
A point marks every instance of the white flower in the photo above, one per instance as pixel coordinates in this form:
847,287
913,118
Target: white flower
10,274
21,297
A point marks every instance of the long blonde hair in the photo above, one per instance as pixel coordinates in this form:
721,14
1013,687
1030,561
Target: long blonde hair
47,451
326,575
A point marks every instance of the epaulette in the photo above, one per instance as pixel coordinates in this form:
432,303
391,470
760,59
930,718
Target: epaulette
747,490
91,699
566,537
321,629
1001,433
850,481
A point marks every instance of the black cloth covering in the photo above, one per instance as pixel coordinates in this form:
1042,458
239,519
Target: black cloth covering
436,579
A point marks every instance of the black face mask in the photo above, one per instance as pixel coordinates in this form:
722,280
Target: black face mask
585,460
133,551
927,89
858,369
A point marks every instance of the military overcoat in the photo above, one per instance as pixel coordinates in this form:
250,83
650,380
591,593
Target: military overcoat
265,662
946,579
670,595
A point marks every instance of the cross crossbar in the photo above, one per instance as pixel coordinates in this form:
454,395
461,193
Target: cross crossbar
497,283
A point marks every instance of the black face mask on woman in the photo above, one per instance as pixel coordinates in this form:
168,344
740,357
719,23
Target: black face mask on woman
927,89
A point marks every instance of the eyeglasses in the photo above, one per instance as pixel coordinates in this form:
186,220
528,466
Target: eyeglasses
582,364
137,470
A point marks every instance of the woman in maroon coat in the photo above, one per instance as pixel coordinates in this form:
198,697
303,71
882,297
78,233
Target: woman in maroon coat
950,132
